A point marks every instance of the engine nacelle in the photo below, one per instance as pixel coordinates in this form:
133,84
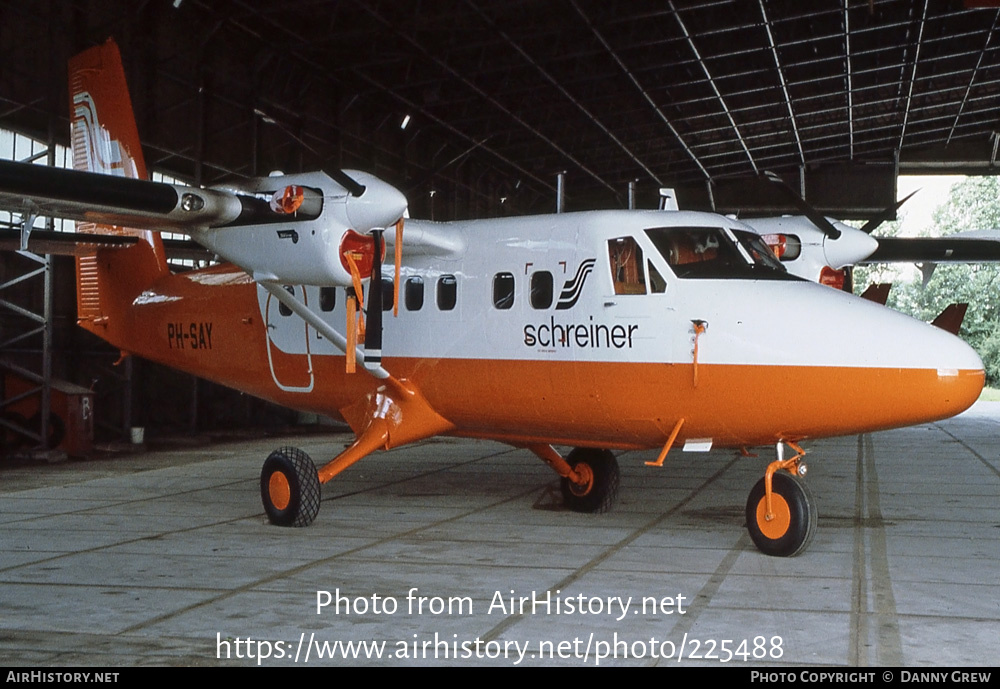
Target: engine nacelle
297,228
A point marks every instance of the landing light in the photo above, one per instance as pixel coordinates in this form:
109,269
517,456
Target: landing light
192,202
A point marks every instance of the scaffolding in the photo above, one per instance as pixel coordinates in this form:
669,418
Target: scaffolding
29,427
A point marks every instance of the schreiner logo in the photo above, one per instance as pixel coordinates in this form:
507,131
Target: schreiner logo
588,335
573,288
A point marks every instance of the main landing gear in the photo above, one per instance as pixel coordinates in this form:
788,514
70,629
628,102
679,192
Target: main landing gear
289,487
290,484
781,514
590,477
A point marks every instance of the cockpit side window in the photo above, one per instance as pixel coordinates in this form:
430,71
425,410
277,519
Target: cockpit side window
710,253
626,266
657,284
758,249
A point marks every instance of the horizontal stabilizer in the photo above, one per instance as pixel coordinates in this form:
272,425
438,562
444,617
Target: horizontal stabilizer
64,243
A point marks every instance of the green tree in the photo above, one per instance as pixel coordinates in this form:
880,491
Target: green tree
974,204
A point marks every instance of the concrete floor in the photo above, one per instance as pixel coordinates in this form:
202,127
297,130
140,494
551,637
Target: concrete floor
167,559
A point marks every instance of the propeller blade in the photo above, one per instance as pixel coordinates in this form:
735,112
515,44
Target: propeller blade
849,279
887,214
815,217
373,324
354,187
951,318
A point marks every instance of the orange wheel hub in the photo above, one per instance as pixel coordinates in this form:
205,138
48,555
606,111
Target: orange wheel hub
586,480
279,491
781,520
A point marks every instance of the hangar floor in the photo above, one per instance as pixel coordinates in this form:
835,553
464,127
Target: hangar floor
166,559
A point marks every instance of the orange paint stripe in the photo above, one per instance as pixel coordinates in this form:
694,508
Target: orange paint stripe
637,405
609,404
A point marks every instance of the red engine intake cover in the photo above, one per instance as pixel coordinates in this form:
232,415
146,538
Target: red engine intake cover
364,245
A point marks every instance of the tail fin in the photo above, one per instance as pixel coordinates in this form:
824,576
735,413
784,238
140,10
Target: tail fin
105,140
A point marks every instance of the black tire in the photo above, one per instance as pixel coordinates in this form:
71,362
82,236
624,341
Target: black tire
601,492
795,516
289,487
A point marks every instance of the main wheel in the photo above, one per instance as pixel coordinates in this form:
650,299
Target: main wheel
289,487
794,522
600,491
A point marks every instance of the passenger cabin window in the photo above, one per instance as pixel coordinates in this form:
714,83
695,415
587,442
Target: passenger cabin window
327,298
282,309
626,266
503,291
414,294
447,292
541,289
388,294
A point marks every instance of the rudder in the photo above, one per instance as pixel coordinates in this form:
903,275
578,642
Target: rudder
105,140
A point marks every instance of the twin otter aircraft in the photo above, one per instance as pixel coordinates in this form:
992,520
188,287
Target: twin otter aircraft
601,330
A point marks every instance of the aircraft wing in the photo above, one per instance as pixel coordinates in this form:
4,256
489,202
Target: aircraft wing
40,190
964,247
268,226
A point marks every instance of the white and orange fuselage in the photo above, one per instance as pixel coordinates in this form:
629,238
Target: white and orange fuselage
577,357
599,329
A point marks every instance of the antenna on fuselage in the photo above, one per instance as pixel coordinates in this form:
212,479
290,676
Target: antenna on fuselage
668,199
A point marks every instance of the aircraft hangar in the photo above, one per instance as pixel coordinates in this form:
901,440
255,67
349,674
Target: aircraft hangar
483,109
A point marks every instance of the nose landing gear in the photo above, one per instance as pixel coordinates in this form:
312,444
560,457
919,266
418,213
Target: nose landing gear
781,514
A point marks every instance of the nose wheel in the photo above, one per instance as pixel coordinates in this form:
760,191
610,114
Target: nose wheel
789,527
289,487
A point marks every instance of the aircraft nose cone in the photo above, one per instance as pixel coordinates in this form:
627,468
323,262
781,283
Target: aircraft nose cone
960,377
938,375
896,371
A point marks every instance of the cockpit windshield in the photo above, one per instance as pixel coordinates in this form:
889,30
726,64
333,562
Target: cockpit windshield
710,253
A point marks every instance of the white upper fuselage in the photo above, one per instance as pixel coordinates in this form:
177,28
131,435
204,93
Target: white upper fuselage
762,318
